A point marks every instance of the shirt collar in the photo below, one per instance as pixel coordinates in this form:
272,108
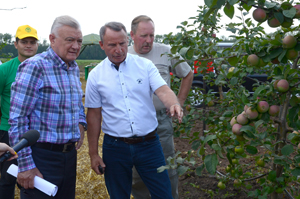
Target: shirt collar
59,62
117,67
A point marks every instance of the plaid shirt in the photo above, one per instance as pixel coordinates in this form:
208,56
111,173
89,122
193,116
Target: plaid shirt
47,97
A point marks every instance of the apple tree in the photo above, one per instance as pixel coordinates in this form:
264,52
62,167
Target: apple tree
261,124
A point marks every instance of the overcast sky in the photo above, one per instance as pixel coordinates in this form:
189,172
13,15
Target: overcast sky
92,14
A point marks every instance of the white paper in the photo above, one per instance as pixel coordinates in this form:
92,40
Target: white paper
39,183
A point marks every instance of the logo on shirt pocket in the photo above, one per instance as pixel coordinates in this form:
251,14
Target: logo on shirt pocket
139,81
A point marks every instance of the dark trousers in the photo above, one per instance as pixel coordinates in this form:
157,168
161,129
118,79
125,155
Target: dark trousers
7,182
56,167
119,158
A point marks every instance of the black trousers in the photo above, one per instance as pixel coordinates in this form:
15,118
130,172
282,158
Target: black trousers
56,167
7,181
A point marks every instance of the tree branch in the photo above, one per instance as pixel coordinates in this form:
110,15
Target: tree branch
12,8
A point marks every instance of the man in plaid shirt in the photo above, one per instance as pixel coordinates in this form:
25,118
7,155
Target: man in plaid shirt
47,97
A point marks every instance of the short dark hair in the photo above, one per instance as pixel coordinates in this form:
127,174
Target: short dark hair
135,22
116,26
17,39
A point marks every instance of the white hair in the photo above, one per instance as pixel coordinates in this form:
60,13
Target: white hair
64,20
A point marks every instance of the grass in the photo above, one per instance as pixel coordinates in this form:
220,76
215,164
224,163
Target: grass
82,63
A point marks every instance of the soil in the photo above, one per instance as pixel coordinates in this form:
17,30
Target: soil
192,186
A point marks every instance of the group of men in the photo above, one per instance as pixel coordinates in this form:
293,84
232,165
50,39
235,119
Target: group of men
128,98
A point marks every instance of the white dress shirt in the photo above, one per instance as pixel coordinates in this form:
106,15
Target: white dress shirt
125,95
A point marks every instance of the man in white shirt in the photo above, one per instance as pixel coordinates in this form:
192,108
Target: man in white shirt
120,89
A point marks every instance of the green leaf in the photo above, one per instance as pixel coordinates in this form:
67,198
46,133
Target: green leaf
199,170
229,10
249,130
251,149
287,150
190,54
270,4
297,47
246,7
180,61
227,114
259,90
201,150
162,168
294,100
296,172
209,138
174,49
272,176
286,5
245,100
210,3
258,123
275,53
196,144
293,113
184,23
232,2
183,51
233,81
216,147
289,13
279,16
182,169
233,61
211,162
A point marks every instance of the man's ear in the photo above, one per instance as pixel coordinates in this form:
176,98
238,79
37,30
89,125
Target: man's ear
16,45
101,45
131,35
52,38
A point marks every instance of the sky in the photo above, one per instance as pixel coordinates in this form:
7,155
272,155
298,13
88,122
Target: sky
92,14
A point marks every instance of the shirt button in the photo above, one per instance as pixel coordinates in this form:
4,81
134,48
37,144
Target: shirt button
122,83
125,96
129,109
132,122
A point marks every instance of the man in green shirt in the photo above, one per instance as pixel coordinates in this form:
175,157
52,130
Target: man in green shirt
27,44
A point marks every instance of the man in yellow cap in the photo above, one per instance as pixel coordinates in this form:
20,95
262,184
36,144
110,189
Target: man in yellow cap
27,45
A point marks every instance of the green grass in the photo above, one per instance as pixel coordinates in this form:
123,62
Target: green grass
82,63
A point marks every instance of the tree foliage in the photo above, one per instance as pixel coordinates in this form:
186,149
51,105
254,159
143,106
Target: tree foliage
274,134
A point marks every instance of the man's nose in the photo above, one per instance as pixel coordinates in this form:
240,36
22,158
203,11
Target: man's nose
76,45
118,49
148,39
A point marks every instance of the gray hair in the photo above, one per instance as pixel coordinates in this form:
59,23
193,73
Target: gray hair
135,22
116,26
64,20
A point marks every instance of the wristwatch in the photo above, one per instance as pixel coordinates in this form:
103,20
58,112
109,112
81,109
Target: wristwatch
84,125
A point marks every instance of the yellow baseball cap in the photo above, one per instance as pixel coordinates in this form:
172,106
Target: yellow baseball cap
26,31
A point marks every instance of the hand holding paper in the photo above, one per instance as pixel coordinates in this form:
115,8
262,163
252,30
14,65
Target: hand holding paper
39,183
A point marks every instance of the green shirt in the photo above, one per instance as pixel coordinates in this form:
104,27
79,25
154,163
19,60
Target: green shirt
8,72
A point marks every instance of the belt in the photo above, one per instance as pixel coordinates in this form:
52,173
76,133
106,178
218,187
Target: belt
134,140
56,147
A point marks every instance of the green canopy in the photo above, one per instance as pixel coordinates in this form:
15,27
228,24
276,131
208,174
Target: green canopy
90,39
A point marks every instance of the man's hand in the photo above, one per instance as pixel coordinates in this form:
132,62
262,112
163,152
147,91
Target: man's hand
80,141
177,111
26,178
4,147
96,160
